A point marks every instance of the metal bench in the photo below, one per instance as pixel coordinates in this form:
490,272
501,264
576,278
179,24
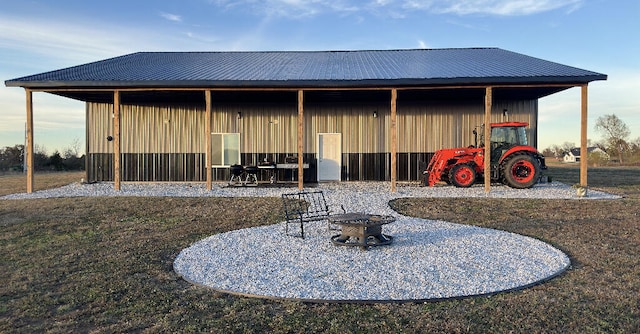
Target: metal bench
302,207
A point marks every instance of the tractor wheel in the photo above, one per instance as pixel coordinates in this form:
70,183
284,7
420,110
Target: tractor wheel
521,171
462,175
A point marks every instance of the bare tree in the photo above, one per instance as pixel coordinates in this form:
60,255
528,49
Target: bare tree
548,153
567,146
615,133
634,148
72,151
558,151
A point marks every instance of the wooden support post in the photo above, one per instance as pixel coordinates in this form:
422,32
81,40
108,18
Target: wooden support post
394,139
207,145
488,103
28,158
583,138
116,140
300,139
87,148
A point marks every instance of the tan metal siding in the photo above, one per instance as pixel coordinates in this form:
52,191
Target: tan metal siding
427,127
361,131
162,129
100,126
263,128
148,129
424,127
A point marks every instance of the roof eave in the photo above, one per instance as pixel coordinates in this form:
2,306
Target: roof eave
404,82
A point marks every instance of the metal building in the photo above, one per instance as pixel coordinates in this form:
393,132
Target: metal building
337,115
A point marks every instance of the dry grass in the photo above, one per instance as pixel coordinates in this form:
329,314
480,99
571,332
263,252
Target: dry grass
105,265
17,183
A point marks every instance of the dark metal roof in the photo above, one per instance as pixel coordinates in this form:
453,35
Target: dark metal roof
311,69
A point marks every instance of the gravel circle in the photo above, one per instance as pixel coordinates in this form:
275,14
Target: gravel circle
427,260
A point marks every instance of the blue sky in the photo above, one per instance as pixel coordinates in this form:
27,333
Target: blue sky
597,35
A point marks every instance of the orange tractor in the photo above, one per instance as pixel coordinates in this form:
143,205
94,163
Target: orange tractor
513,162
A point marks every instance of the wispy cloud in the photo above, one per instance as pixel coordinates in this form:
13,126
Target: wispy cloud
293,9
423,45
502,7
75,42
8,99
171,17
52,111
465,24
397,8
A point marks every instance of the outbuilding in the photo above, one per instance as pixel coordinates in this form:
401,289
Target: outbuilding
573,155
331,115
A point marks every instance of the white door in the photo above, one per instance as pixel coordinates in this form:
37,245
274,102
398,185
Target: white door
329,156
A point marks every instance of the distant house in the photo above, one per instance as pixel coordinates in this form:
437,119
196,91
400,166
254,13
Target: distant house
574,154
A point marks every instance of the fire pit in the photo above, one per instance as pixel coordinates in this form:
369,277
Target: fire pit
361,229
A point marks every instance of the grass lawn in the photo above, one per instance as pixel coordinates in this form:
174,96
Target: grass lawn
17,183
105,265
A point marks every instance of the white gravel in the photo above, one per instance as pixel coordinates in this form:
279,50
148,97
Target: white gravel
427,259
554,190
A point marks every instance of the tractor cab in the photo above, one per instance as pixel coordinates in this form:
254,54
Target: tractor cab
505,136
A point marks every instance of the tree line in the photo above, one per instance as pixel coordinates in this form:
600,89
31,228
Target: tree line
12,159
615,142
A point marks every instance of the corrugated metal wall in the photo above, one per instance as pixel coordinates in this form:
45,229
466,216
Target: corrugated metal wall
167,143
436,125
158,143
263,128
148,129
